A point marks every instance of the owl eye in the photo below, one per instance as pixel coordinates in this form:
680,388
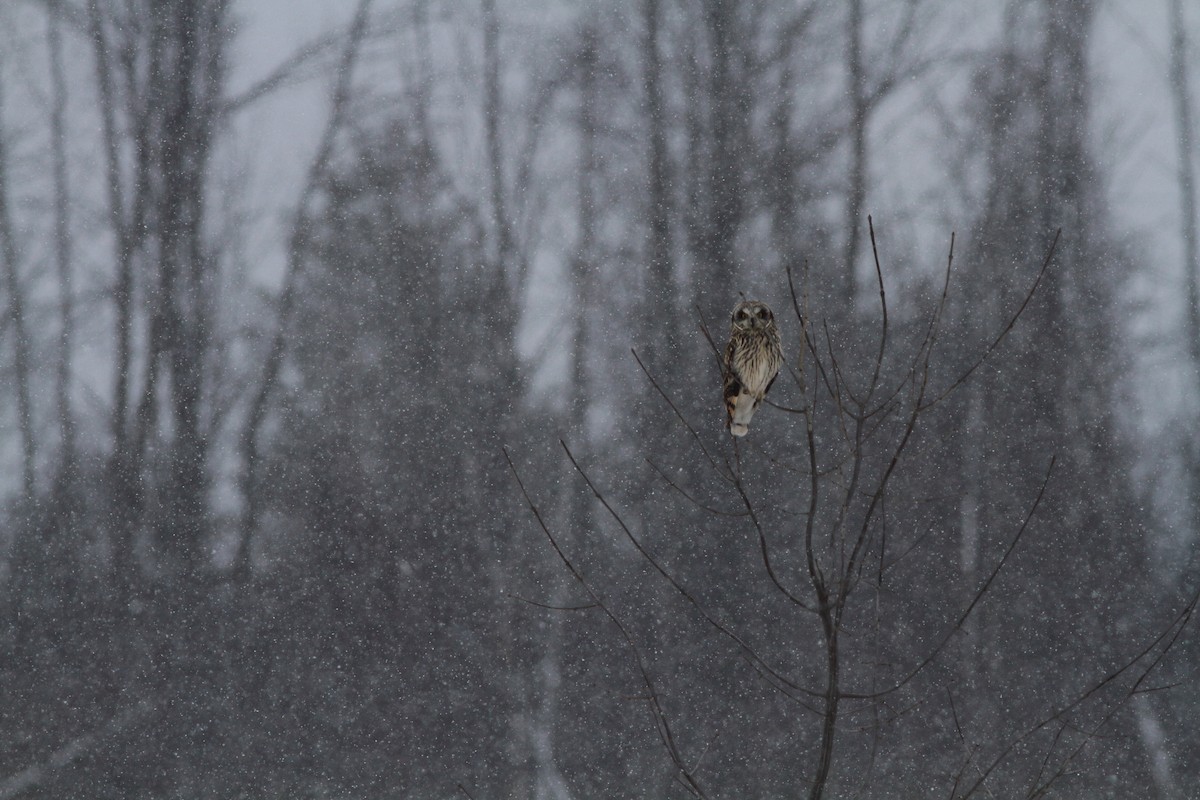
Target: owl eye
764,313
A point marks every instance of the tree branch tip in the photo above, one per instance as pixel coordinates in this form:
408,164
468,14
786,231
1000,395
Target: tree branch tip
1152,689
551,607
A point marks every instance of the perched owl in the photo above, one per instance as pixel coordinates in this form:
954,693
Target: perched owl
752,360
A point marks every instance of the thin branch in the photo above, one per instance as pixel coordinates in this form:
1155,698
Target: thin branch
917,409
762,545
786,409
1045,765
809,342
1003,333
772,681
288,72
712,345
979,594
883,332
884,568
660,719
726,473
814,569
709,509
552,607
683,592
1170,634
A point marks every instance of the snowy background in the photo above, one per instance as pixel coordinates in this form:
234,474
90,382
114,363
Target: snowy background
299,297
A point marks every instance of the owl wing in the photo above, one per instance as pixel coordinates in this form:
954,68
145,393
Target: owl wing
732,383
777,352
739,403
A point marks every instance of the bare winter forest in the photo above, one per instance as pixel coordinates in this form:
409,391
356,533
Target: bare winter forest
361,427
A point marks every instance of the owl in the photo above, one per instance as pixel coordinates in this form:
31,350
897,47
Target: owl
752,360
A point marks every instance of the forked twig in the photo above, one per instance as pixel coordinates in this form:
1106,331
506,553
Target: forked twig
550,607
679,414
1170,635
661,723
975,600
674,485
675,584
961,379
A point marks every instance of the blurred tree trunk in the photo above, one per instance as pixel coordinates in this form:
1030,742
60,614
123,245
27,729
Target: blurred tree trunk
124,468
502,243
660,286
1184,135
250,435
62,258
780,179
422,67
160,72
187,81
1151,712
985,301
505,279
857,190
660,330
728,108
185,85
585,263
498,309
10,253
716,118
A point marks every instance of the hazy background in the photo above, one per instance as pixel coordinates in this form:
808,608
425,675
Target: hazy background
282,280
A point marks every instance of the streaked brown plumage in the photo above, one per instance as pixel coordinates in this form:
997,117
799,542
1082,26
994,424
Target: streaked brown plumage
752,360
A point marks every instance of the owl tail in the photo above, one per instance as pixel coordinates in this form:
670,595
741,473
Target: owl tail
741,409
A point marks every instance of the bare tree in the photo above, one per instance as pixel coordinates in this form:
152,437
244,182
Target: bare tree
854,540
884,589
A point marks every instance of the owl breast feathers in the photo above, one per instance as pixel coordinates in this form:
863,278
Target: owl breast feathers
752,360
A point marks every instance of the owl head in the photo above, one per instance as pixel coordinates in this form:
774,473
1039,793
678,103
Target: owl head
751,315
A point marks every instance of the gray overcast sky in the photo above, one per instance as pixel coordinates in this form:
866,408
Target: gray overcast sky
277,136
